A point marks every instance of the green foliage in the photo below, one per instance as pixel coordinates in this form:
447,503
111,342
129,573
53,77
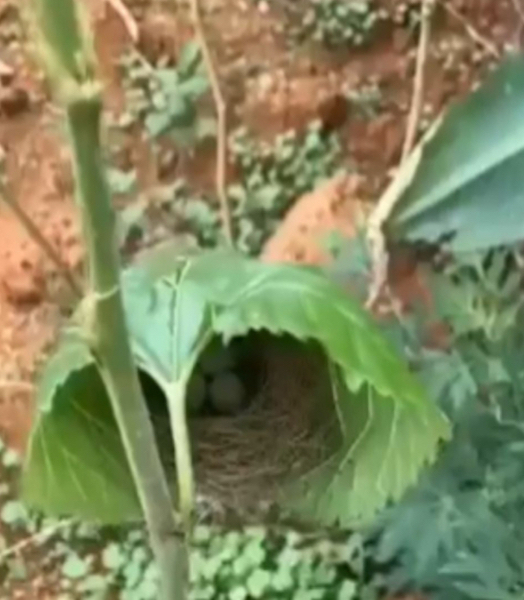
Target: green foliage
334,23
460,532
258,563
390,430
272,176
467,189
340,23
164,98
121,182
406,13
75,453
366,100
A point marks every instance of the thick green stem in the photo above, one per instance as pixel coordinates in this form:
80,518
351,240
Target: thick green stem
111,347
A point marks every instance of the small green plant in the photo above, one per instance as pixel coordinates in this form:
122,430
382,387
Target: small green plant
406,13
367,100
271,178
335,23
165,98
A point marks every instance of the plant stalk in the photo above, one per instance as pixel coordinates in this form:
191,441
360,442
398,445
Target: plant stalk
112,349
183,463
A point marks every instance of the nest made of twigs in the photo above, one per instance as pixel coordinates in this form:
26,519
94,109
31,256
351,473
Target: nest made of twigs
287,427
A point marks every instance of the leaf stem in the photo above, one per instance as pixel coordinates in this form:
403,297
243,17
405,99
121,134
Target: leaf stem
181,439
184,468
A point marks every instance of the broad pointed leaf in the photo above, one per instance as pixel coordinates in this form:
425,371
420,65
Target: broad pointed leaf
76,462
166,320
469,186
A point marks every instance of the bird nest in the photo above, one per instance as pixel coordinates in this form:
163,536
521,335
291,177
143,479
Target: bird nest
285,425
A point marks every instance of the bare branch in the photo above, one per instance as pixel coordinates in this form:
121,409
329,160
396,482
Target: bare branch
408,164
127,18
36,539
220,107
418,82
21,386
519,9
473,33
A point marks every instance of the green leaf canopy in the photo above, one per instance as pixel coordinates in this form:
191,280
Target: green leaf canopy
469,187
76,462
390,428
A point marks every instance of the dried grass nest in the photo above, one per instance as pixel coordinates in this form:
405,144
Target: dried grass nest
286,425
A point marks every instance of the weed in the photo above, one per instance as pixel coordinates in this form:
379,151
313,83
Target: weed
367,99
333,23
164,98
271,177
459,533
406,13
337,23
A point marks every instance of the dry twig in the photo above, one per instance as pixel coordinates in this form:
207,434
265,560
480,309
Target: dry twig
418,82
21,386
220,107
6,71
36,539
36,235
408,165
519,9
473,33
127,18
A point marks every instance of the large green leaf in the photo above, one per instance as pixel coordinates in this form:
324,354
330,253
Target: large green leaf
76,462
469,186
167,318
390,428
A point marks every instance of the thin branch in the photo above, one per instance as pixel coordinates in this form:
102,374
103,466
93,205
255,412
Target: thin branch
36,235
417,98
473,33
408,164
23,386
220,107
6,70
36,539
127,18
518,9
